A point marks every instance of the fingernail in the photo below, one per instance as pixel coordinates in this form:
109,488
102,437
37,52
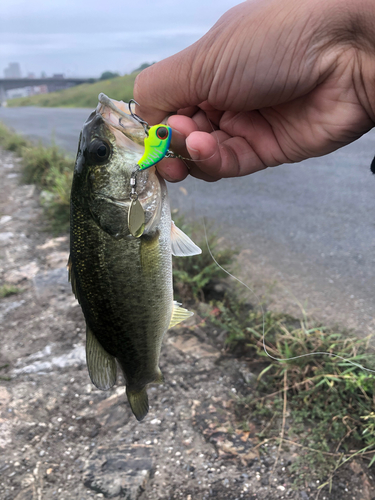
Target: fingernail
194,153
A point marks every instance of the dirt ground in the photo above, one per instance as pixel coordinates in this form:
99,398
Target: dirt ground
60,438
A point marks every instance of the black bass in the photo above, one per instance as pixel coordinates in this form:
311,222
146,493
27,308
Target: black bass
123,283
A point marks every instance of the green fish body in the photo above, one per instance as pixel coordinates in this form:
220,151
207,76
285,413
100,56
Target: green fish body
123,283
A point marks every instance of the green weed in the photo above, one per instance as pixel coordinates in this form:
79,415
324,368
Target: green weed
42,165
6,290
11,141
331,402
194,276
50,169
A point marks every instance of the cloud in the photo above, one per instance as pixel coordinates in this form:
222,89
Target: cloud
121,51
88,37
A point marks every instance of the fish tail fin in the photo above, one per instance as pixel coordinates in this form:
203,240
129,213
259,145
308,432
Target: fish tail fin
138,403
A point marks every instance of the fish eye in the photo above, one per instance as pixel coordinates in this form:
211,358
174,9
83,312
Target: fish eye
99,151
102,151
162,133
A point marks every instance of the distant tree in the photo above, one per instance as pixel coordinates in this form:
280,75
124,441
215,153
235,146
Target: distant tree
142,66
107,75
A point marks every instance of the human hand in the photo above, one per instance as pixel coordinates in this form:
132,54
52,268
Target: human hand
278,81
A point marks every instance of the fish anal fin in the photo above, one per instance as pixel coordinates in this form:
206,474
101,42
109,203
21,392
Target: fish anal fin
182,245
179,314
138,403
101,365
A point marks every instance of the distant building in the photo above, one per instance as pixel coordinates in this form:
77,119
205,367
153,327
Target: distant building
12,71
14,93
30,75
40,89
58,75
26,91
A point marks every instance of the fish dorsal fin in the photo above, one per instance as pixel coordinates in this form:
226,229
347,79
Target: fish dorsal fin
182,246
179,314
101,365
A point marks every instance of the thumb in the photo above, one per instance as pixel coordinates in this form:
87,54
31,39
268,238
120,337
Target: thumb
171,84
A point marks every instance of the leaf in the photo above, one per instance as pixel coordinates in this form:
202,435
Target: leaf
265,370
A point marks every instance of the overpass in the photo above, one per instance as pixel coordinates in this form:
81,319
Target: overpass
53,84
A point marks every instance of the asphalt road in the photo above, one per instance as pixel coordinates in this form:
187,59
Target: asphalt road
309,227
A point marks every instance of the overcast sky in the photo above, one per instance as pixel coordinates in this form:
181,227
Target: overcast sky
87,37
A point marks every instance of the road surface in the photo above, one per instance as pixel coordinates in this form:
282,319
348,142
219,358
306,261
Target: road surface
307,230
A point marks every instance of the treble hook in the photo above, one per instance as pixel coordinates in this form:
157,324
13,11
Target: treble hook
145,125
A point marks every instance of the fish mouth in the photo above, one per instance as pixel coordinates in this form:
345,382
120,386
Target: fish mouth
129,133
119,107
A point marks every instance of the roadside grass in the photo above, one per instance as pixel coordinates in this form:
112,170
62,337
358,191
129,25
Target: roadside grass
82,96
324,404
11,141
50,169
194,277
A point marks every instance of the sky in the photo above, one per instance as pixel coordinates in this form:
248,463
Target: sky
87,37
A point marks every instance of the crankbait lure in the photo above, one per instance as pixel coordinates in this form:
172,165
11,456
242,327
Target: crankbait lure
156,145
157,141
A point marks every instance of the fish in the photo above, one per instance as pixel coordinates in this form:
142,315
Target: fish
122,282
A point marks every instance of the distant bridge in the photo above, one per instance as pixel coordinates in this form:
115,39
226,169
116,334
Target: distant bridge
53,84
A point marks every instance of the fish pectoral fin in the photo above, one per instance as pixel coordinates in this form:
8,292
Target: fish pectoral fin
101,365
138,403
182,245
179,314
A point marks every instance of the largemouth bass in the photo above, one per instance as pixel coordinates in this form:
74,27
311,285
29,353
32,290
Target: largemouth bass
123,283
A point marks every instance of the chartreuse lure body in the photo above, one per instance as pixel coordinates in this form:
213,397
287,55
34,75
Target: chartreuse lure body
156,145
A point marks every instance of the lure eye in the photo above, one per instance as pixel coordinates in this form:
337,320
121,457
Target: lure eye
162,133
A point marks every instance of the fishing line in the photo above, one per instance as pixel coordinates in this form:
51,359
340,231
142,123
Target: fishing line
347,360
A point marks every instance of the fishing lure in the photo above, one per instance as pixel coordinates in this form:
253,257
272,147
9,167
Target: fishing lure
157,141
156,146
